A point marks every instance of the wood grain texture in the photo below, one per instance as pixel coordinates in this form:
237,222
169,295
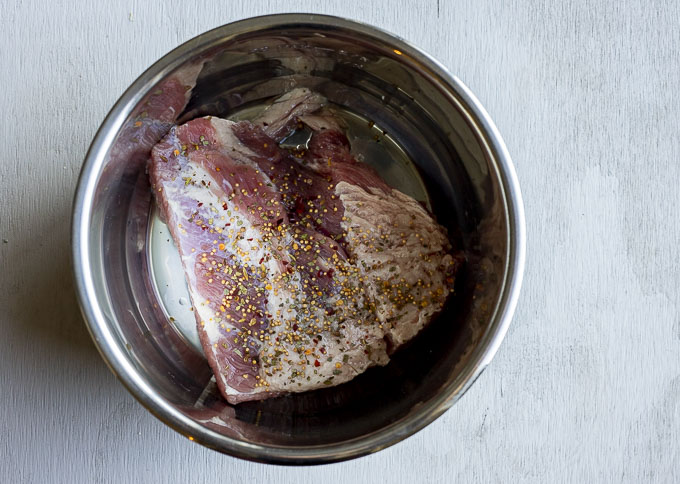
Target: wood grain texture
586,387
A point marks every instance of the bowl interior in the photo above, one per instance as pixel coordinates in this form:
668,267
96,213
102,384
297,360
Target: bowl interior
227,72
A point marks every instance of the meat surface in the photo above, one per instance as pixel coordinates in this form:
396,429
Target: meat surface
304,267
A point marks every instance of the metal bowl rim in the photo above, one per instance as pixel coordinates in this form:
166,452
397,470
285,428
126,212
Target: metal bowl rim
114,355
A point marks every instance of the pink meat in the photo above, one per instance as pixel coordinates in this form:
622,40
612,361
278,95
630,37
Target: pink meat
290,293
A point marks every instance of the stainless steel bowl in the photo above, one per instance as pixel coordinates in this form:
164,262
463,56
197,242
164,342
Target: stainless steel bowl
472,187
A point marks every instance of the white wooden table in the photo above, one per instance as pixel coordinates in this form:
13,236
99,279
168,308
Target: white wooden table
586,387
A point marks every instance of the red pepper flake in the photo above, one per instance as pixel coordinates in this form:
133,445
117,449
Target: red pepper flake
284,262
322,350
224,205
249,240
200,204
261,260
295,327
316,363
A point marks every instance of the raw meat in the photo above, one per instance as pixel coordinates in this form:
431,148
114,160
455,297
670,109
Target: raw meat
304,267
